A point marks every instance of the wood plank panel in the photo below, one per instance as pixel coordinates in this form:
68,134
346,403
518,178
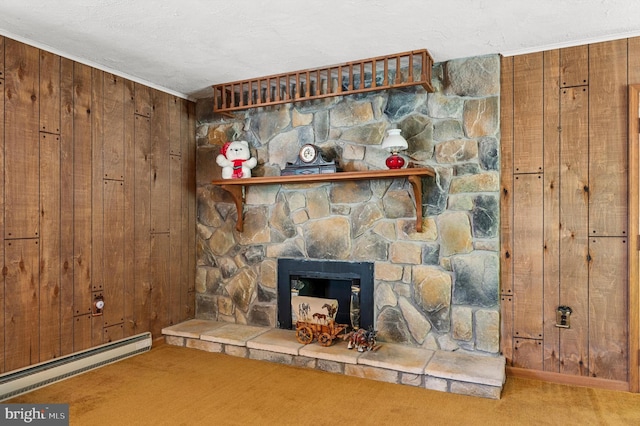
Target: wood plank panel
176,249
176,112
129,200
527,353
142,193
2,148
114,118
608,165
143,104
160,296
113,260
67,227
506,329
113,333
506,176
50,247
506,208
574,66
49,92
608,317
527,256
22,138
160,168
189,194
82,181
97,202
551,210
1,57
574,214
22,314
633,62
82,332
528,113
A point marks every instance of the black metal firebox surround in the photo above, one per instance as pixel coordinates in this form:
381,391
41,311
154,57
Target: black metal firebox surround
328,279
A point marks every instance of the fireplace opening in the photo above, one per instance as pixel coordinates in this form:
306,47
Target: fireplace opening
338,280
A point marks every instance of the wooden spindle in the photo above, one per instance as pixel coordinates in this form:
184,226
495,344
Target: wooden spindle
386,72
410,77
374,82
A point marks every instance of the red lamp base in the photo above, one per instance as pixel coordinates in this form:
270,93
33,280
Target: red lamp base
395,161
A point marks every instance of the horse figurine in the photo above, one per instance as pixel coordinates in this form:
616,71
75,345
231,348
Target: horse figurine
361,339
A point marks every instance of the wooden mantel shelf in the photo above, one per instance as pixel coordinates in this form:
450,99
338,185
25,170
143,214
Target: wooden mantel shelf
414,175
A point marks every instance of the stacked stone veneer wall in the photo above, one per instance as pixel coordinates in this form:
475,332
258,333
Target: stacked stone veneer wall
437,289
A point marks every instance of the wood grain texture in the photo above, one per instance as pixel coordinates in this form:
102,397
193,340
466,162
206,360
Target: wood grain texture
506,208
527,113
79,186
81,332
142,208
21,134
160,168
189,200
22,316
67,227
115,332
527,353
176,114
159,262
113,260
82,188
574,216
608,318
527,259
114,124
176,248
49,92
574,66
608,163
551,210
143,105
2,208
50,302
129,214
1,57
97,172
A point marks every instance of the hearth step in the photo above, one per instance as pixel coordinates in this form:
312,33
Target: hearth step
456,372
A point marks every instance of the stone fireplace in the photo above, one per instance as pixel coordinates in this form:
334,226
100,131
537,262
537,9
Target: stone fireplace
436,289
330,280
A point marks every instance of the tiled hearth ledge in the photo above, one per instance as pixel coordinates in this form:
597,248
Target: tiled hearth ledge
455,372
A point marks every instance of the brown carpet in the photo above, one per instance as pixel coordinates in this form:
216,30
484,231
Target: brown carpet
179,386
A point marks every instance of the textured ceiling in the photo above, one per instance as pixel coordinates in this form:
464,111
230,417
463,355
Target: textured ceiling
185,46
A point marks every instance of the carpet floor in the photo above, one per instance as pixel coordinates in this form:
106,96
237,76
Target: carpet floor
172,385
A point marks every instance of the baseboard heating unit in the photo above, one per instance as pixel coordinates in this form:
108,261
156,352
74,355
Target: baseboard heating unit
24,380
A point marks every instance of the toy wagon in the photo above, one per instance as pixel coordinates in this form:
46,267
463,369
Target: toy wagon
326,332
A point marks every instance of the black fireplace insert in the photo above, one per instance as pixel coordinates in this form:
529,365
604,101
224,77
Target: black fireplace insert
327,279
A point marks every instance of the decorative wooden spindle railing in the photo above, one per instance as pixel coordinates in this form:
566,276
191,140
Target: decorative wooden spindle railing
384,72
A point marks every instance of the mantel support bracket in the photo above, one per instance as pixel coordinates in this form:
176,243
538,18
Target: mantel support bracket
416,184
237,193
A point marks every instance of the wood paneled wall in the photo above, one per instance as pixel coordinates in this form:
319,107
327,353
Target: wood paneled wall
565,209
97,199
